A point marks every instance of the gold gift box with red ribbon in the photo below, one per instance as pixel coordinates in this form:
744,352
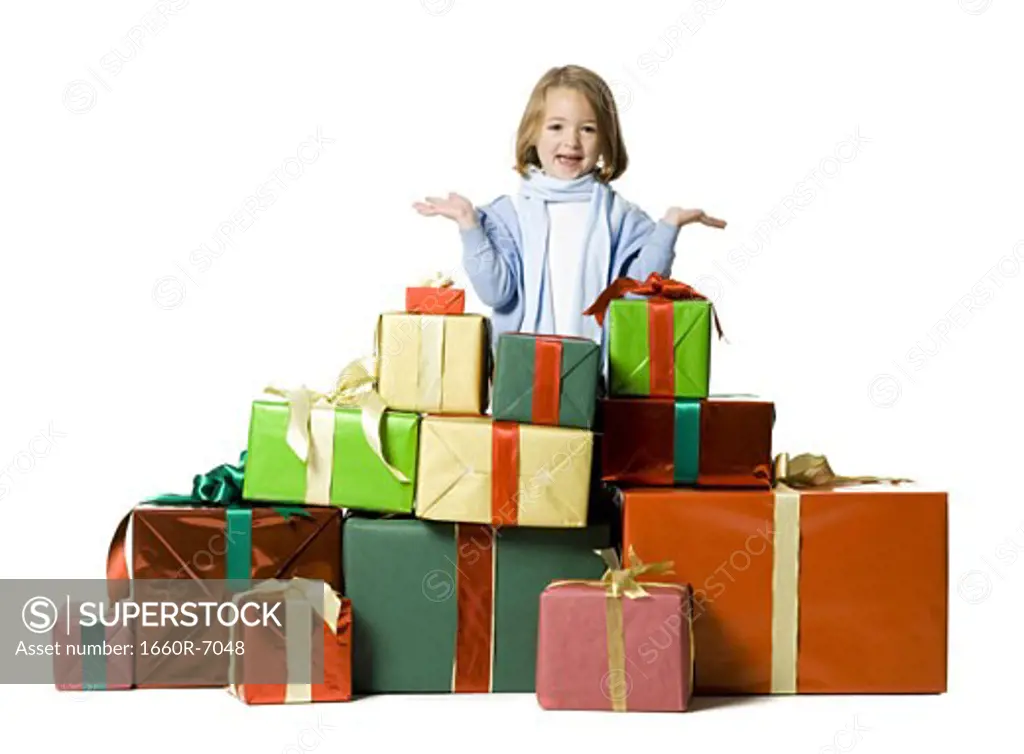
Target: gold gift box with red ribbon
475,470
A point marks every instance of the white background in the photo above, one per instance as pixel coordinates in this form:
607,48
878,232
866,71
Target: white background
847,305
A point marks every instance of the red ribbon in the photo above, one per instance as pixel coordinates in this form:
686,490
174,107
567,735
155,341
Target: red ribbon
656,287
475,570
118,586
474,578
661,328
504,474
547,380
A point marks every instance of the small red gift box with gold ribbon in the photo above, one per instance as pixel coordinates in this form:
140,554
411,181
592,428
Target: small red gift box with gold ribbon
435,296
307,659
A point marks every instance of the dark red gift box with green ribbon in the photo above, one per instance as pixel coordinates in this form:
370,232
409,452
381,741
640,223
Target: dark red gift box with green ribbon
546,379
659,345
706,443
211,535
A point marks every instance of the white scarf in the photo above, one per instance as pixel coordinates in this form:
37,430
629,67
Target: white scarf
536,191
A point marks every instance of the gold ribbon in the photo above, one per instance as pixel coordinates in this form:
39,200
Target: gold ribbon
428,334
805,471
619,582
302,598
785,589
312,439
430,365
438,280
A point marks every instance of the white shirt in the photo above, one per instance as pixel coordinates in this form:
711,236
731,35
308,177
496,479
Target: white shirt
567,229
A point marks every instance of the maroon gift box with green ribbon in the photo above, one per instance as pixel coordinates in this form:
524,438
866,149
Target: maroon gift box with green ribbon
718,442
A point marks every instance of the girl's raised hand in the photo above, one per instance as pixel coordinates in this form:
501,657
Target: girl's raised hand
456,207
679,217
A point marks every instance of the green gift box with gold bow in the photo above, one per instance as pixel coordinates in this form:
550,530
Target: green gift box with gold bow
341,448
340,467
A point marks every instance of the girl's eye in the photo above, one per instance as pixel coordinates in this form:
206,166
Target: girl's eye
555,127
589,130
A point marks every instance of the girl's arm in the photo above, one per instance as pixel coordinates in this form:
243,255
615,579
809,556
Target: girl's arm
489,257
644,246
650,247
489,253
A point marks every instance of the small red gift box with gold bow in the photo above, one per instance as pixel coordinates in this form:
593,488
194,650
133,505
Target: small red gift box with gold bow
435,296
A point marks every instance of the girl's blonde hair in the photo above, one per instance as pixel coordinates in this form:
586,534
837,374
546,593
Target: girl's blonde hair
609,133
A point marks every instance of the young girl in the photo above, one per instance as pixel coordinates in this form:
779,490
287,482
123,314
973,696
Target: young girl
540,258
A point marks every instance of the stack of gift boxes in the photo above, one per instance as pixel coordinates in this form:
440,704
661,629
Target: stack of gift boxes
803,582
471,558
445,601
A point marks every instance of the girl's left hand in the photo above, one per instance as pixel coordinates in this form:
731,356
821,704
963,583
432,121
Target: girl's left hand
679,217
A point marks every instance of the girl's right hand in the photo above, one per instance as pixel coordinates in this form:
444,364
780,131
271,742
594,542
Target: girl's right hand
455,207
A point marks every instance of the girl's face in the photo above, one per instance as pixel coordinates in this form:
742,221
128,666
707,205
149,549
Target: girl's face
568,141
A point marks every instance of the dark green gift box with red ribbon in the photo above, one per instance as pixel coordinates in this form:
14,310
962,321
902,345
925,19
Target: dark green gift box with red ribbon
546,379
442,607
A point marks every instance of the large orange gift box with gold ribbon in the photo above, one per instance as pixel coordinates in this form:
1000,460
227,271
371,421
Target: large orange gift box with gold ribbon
826,589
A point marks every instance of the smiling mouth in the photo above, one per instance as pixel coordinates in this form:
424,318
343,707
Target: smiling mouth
568,160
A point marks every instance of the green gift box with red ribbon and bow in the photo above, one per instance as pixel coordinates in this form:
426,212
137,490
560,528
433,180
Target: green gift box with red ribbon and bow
659,345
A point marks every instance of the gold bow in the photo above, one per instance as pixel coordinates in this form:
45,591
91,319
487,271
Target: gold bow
438,280
622,582
355,386
807,471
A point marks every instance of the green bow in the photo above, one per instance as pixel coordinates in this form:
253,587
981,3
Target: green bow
221,485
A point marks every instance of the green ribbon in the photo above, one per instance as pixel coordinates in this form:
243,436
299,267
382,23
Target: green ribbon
238,551
94,666
222,486
686,442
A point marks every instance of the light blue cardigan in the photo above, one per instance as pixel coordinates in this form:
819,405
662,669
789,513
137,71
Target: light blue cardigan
493,258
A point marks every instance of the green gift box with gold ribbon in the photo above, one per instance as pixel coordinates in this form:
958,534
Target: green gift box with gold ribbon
341,467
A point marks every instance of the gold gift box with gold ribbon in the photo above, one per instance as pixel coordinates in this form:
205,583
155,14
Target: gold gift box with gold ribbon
475,470
433,363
